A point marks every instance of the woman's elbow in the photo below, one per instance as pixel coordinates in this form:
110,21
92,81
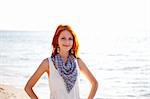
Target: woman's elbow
27,88
95,83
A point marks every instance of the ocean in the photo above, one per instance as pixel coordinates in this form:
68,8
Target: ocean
121,65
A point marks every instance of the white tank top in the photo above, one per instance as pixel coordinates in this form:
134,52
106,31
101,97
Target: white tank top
57,85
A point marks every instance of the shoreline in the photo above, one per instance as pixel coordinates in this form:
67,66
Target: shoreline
10,92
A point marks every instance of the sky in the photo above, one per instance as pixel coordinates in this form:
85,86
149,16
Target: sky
106,15
98,19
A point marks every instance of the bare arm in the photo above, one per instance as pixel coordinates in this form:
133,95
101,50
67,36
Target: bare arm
43,67
90,77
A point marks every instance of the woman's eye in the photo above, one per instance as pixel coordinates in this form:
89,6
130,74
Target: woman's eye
70,38
63,38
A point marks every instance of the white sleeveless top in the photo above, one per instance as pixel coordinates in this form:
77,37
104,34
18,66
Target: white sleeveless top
57,85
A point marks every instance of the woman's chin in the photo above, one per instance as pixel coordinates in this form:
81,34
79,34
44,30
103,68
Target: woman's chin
66,50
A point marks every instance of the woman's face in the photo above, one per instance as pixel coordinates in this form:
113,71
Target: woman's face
65,41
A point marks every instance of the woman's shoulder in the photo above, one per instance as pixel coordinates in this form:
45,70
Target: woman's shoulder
45,64
79,60
81,63
45,61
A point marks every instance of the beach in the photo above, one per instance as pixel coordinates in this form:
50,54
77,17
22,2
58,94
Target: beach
121,65
10,92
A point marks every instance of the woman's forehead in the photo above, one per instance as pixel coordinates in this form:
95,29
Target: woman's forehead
65,33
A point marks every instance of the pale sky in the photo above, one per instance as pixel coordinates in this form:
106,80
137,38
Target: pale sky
104,15
99,19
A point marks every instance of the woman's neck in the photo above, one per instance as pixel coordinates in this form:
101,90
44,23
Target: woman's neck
64,54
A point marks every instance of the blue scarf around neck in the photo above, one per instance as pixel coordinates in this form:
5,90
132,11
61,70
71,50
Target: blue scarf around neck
68,70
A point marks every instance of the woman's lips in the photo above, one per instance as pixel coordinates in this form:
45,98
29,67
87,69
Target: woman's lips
66,45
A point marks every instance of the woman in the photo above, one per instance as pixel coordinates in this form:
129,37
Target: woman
63,68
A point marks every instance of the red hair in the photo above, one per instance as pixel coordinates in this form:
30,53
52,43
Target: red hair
75,46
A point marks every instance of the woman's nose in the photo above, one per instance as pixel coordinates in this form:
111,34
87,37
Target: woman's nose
67,42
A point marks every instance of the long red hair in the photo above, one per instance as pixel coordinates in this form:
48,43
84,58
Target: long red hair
75,46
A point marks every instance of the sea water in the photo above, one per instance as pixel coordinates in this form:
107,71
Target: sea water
122,68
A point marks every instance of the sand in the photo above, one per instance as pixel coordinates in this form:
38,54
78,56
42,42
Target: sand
10,92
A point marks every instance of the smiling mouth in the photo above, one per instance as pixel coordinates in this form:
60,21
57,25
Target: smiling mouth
66,45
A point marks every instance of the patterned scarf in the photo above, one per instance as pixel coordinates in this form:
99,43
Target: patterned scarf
67,71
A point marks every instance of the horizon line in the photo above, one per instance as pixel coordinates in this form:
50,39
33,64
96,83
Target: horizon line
23,31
